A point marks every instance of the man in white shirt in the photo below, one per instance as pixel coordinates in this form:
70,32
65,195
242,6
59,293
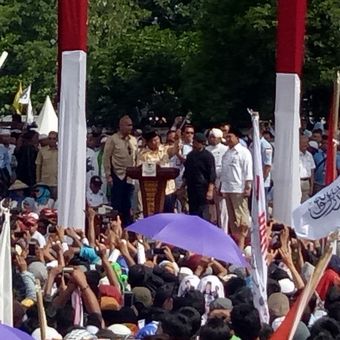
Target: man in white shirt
31,222
306,167
94,195
236,183
218,210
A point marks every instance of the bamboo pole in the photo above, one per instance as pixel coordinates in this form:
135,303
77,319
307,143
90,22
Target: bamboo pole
41,311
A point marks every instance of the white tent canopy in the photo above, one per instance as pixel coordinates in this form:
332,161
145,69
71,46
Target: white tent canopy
47,120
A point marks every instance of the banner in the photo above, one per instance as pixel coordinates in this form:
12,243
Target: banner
259,240
319,216
6,296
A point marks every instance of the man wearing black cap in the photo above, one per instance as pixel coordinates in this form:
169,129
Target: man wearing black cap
94,195
199,177
236,181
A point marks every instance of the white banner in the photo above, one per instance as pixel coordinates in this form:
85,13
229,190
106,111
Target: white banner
259,241
6,295
320,215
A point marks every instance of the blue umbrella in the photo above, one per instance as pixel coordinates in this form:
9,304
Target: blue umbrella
190,233
10,333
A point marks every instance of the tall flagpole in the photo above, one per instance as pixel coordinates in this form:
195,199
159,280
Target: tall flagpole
331,171
72,43
290,51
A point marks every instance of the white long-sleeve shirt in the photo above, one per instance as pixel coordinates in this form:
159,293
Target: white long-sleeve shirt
237,168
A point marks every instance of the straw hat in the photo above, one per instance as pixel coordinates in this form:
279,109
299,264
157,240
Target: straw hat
18,185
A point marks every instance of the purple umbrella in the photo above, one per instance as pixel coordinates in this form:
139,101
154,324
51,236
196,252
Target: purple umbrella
10,333
190,233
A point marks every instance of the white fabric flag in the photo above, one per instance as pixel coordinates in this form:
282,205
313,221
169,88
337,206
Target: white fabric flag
3,58
259,241
286,177
320,215
25,96
6,295
72,141
25,99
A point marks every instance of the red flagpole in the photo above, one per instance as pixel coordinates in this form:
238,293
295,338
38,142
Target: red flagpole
331,173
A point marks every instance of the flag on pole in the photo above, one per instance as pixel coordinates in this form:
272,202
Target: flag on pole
72,43
3,58
25,99
319,216
290,50
16,105
6,296
290,323
331,171
259,240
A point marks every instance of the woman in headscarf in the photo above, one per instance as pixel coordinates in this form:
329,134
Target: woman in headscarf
42,198
28,205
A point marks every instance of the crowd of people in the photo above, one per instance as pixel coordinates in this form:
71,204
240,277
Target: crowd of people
106,283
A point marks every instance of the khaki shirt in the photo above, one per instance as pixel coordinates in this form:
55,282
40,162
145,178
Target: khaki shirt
47,166
160,157
119,153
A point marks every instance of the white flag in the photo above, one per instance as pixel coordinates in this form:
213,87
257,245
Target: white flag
6,297
25,96
3,58
25,99
259,241
320,215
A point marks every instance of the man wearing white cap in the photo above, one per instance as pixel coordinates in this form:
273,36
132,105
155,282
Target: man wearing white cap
218,211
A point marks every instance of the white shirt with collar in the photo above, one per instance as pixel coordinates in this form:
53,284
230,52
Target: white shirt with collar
218,151
95,200
40,238
306,164
237,168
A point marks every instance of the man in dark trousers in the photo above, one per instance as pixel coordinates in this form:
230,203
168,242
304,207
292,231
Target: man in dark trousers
199,177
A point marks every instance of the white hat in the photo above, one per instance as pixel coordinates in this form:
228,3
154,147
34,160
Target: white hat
51,334
314,144
183,272
120,330
216,132
103,139
43,136
287,286
247,251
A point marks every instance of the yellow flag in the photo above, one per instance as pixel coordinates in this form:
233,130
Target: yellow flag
16,105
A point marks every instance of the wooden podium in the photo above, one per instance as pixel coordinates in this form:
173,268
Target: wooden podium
152,188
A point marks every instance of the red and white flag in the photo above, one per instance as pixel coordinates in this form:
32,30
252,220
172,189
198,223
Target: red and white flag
72,32
331,171
259,240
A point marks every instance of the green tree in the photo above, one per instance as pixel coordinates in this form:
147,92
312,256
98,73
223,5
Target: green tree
28,33
235,66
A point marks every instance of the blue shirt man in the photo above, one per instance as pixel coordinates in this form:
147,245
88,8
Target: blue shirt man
320,159
5,162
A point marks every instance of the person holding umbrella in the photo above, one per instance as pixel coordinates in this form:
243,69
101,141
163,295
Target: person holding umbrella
199,177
